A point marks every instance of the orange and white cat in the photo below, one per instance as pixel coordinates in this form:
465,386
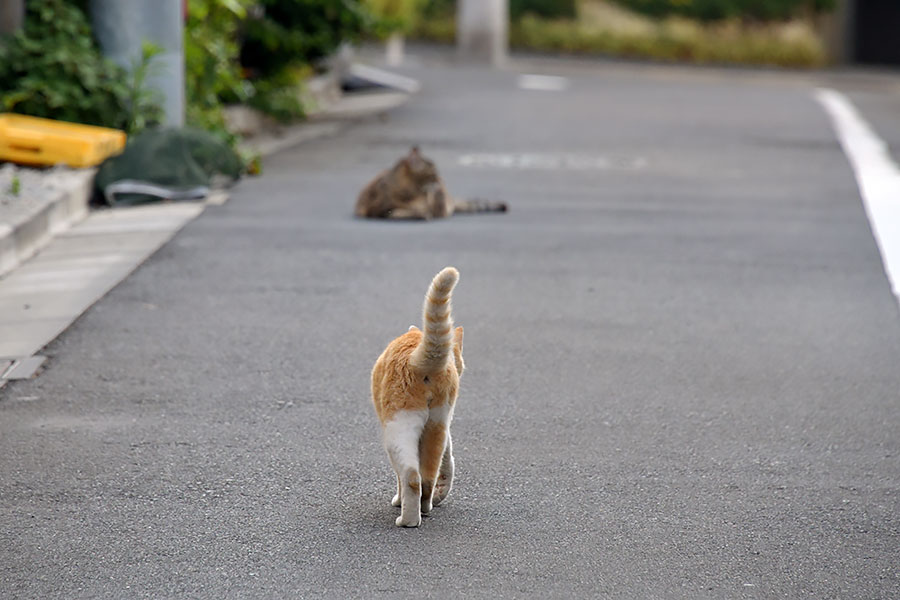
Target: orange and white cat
415,382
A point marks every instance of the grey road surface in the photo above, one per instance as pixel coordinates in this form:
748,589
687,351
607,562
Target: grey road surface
682,365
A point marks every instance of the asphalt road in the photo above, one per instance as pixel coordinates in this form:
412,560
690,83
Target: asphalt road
681,346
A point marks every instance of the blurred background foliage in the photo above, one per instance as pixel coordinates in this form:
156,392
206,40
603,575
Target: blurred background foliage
711,10
53,68
259,52
554,9
284,33
758,32
392,16
255,52
700,9
212,72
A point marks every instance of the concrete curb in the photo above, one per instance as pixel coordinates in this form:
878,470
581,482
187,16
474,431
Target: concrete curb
23,238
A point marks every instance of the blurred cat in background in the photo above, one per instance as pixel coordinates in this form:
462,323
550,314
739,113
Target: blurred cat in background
412,189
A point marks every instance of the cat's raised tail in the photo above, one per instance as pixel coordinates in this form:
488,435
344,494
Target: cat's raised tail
434,349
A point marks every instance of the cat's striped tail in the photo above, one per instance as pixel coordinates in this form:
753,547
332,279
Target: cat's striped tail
434,349
477,205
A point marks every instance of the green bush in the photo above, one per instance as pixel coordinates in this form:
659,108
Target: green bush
791,44
52,68
394,15
279,94
212,69
438,8
257,52
678,39
281,40
709,10
294,32
551,9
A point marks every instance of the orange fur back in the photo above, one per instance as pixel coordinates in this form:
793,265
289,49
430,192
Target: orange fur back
415,371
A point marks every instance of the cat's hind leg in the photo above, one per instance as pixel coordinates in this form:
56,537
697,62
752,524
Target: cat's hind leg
431,450
416,209
401,440
445,473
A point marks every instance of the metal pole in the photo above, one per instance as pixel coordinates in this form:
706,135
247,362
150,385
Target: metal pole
163,25
122,26
482,30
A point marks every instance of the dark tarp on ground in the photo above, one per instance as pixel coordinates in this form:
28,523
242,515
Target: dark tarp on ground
166,164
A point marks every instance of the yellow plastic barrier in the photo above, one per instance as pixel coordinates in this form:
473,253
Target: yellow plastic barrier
36,141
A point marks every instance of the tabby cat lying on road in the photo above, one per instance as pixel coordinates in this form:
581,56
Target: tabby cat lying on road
412,189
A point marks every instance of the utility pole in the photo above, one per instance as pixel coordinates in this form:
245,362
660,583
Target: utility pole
122,27
482,30
12,14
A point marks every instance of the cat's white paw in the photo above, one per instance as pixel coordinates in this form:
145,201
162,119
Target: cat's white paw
411,522
395,501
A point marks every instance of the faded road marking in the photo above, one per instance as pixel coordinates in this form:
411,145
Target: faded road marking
549,162
542,83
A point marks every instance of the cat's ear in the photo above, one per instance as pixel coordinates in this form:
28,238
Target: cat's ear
413,328
414,159
458,338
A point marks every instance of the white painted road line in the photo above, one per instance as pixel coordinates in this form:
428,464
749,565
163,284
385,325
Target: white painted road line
542,83
877,176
